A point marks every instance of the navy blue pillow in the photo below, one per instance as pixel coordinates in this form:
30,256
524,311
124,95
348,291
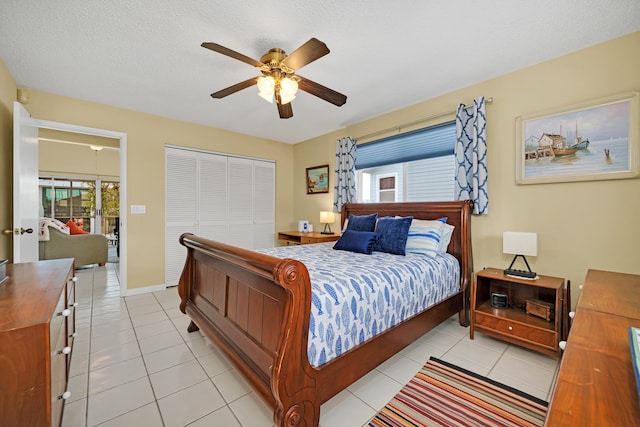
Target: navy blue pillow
392,234
357,241
362,222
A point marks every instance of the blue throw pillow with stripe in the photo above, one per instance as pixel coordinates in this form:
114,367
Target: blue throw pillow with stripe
424,237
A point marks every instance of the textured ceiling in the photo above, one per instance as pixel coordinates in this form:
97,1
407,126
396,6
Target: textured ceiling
145,55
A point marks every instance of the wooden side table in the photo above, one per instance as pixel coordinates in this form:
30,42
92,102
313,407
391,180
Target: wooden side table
302,238
512,323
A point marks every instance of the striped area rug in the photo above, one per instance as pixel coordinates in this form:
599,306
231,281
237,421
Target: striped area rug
442,394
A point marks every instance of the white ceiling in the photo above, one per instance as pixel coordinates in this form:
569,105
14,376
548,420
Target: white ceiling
145,55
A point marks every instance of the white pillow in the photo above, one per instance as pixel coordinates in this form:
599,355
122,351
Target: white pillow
447,231
424,237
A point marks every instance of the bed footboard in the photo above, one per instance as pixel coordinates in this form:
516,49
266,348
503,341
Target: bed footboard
256,309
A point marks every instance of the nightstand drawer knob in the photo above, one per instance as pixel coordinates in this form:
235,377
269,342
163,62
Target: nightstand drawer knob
65,313
65,350
562,345
66,395
74,279
572,314
511,328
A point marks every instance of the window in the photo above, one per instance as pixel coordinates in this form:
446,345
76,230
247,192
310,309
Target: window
387,188
93,205
414,166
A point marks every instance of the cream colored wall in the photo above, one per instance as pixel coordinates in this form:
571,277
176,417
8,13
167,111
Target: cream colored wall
147,136
8,94
580,225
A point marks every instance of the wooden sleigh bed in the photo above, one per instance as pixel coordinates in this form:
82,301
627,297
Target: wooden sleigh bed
256,309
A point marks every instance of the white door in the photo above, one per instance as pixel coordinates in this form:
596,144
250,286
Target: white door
25,186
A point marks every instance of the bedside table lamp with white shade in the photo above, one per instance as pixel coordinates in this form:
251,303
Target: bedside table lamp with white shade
520,244
326,218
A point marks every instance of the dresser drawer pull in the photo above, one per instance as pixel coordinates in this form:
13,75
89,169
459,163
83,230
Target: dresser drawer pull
65,313
65,395
73,335
75,304
510,328
74,279
65,350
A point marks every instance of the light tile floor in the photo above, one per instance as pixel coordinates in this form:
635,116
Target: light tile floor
134,364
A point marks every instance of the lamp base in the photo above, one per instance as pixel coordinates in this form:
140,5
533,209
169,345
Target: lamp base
525,274
520,273
327,229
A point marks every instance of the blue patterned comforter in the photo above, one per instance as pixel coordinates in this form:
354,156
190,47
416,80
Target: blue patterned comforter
356,296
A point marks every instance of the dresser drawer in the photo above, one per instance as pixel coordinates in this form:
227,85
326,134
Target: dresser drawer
545,337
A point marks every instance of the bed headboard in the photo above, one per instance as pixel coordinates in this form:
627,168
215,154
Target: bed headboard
458,214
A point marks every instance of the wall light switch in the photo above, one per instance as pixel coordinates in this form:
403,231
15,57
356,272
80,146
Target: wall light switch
138,209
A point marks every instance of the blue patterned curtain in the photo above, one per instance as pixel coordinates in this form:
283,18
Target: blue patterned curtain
345,188
471,156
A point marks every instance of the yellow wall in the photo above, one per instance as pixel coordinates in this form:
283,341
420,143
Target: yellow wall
580,225
8,94
76,161
146,139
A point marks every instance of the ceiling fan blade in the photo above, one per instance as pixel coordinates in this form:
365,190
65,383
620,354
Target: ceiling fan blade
285,110
323,92
231,53
305,54
235,88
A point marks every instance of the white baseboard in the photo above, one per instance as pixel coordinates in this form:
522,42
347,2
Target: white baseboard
145,290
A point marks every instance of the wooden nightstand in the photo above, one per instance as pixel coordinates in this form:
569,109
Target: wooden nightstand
302,238
513,324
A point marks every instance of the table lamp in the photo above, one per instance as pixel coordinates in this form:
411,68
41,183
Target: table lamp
326,218
520,244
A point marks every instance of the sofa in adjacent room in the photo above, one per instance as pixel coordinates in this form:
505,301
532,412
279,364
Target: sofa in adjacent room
85,248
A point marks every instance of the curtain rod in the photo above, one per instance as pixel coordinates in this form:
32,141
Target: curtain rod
404,125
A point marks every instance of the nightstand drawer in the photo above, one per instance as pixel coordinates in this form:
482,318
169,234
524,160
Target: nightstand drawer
508,327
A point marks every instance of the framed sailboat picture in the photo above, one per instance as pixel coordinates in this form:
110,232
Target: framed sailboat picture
588,141
318,179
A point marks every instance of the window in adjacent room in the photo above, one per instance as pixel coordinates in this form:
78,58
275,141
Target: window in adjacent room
414,166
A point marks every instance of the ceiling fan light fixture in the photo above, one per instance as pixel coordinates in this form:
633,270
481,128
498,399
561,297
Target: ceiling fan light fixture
288,90
266,88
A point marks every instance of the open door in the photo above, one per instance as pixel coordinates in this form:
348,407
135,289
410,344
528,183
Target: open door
25,186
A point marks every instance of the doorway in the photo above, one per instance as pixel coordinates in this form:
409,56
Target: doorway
104,220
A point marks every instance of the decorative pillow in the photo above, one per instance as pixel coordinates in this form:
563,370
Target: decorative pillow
74,229
45,223
362,222
392,234
356,241
424,237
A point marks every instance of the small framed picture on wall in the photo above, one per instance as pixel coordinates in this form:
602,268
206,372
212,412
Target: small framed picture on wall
317,179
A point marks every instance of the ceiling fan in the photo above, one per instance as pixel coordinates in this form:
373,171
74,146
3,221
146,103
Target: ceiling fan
279,81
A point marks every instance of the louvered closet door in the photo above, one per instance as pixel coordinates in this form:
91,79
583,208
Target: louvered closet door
212,197
264,204
240,196
180,210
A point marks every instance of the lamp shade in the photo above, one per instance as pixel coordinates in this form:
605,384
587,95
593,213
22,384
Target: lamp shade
327,217
519,243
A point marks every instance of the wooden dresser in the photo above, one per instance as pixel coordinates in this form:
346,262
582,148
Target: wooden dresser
596,385
37,329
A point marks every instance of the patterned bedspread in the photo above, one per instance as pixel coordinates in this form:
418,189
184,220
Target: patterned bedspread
356,296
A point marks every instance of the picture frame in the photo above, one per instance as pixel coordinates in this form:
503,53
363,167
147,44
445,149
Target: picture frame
593,140
317,179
